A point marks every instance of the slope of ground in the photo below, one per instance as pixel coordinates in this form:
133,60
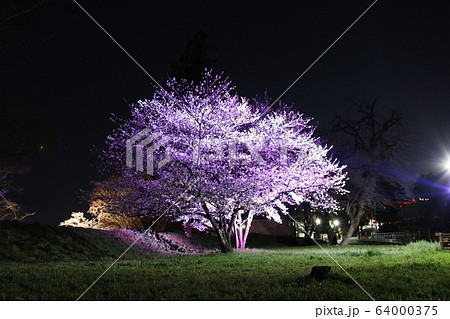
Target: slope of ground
23,242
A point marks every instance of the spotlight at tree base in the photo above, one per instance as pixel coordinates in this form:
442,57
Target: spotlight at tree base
336,222
318,221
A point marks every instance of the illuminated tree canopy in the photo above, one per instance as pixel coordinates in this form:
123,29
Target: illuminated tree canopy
229,159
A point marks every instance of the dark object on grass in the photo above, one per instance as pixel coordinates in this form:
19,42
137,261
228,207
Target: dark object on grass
319,272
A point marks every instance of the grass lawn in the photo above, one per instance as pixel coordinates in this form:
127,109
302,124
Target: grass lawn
413,272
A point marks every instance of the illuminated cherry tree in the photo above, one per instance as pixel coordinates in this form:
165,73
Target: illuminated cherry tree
229,159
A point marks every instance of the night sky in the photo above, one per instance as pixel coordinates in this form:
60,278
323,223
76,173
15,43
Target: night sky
56,61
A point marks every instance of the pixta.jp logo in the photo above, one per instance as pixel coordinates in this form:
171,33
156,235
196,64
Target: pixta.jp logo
153,150
145,145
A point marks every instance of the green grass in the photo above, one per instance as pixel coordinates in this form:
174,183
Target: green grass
414,272
34,242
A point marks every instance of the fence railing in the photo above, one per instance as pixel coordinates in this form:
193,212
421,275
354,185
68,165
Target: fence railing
397,235
406,237
444,239
394,238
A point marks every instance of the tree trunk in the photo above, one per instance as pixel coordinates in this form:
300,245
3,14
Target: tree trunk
225,243
248,224
220,227
240,244
241,230
354,223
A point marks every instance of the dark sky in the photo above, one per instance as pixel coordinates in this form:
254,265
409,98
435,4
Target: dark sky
55,60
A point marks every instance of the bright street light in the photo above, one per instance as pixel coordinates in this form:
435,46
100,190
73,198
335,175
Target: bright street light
336,222
318,221
447,164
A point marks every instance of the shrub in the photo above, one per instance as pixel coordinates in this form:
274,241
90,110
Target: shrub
423,245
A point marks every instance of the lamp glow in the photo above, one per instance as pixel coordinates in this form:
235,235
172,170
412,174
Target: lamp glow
447,164
318,221
336,222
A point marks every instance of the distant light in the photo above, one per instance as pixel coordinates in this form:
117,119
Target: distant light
447,164
318,221
336,222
